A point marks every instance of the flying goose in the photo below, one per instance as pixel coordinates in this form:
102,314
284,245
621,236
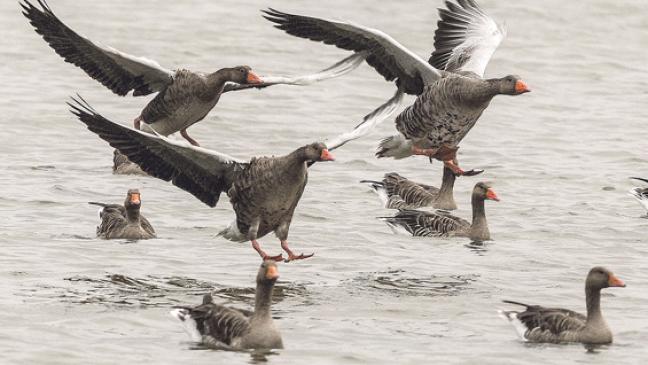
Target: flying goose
263,191
641,194
555,325
224,328
183,97
450,88
124,221
442,224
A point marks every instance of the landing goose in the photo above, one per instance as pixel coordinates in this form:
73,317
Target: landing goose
264,191
555,325
398,192
450,88
641,194
442,224
184,97
220,327
124,221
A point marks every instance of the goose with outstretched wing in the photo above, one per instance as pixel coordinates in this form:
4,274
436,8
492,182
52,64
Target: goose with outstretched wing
264,191
183,97
451,89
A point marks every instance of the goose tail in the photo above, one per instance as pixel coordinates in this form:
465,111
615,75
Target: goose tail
396,146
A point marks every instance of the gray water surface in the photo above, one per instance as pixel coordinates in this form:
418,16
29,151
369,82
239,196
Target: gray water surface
558,157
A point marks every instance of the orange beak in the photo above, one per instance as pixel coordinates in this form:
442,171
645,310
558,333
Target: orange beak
272,273
614,281
252,78
490,194
521,87
135,198
326,155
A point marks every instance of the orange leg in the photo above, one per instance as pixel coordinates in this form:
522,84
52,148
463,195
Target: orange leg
291,255
186,136
264,256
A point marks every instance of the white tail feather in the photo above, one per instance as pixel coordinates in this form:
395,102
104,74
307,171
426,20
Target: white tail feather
380,190
641,199
512,318
232,233
396,146
188,323
395,227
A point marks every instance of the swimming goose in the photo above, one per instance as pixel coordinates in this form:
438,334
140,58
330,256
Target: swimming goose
555,325
184,97
124,221
641,194
264,191
451,90
442,224
224,328
123,166
398,192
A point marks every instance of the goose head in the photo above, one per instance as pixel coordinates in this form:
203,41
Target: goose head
132,199
512,85
268,273
316,152
600,278
242,75
484,191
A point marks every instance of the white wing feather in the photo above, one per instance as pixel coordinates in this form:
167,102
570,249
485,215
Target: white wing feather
369,122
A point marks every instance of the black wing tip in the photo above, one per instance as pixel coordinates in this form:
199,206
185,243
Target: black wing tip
274,12
370,182
516,303
639,178
30,7
80,106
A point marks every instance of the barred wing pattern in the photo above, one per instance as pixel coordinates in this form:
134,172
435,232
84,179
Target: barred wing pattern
427,224
548,324
218,325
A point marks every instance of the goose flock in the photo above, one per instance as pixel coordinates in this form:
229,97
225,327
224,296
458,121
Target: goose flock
451,95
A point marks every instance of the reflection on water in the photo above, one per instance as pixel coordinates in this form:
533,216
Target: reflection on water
478,247
154,291
399,282
261,356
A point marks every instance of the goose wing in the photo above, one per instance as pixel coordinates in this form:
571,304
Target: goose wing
113,216
338,69
545,324
369,122
218,325
391,59
199,171
432,224
118,71
465,39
